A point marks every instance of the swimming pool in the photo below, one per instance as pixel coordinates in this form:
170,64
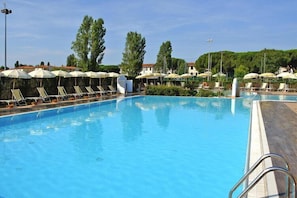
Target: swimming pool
144,146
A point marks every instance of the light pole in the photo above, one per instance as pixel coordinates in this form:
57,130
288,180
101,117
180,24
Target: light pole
5,11
209,58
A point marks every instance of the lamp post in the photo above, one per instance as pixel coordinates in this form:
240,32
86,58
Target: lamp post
209,58
5,11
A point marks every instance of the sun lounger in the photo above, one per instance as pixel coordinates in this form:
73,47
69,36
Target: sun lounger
19,99
282,87
112,89
247,87
218,86
91,91
102,90
44,96
8,102
262,88
62,92
79,92
285,88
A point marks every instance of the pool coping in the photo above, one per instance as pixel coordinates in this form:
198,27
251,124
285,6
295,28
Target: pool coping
258,146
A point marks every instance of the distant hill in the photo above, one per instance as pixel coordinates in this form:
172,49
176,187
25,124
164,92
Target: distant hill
268,60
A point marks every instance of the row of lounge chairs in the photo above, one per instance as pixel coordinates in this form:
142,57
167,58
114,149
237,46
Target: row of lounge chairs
19,99
266,87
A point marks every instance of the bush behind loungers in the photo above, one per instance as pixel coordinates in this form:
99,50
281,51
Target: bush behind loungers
164,90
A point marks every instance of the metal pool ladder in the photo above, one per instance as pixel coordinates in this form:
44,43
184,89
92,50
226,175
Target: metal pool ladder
285,171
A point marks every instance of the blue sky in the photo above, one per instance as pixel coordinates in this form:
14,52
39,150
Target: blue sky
43,30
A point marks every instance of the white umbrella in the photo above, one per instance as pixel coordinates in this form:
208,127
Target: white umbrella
146,75
113,74
204,75
267,75
102,74
290,76
16,74
219,75
40,73
76,74
91,75
61,73
251,76
286,75
187,75
159,74
173,76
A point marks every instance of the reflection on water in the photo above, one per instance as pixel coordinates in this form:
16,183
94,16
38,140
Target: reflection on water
87,123
131,118
45,122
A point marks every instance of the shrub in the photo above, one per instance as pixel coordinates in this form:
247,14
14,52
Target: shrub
164,90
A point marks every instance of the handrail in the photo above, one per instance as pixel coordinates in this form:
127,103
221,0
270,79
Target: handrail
263,173
263,157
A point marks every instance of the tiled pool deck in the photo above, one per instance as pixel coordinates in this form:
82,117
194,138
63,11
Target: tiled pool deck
273,130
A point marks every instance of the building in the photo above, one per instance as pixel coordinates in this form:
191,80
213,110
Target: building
149,68
191,69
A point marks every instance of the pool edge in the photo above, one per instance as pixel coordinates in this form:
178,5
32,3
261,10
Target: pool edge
258,146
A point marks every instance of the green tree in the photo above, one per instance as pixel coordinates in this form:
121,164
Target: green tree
240,71
134,54
179,65
164,60
89,43
71,60
42,63
97,44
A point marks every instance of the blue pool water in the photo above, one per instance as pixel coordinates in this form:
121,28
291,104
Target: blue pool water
134,147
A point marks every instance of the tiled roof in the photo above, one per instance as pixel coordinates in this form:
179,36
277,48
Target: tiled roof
148,65
152,65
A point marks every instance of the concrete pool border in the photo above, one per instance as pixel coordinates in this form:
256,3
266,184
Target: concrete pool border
258,146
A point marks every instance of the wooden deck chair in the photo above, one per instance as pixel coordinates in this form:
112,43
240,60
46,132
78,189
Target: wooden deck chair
248,86
264,86
281,87
218,86
91,91
79,92
20,99
62,92
287,88
112,89
44,96
102,90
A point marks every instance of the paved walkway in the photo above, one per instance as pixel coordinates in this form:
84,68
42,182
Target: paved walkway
280,121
